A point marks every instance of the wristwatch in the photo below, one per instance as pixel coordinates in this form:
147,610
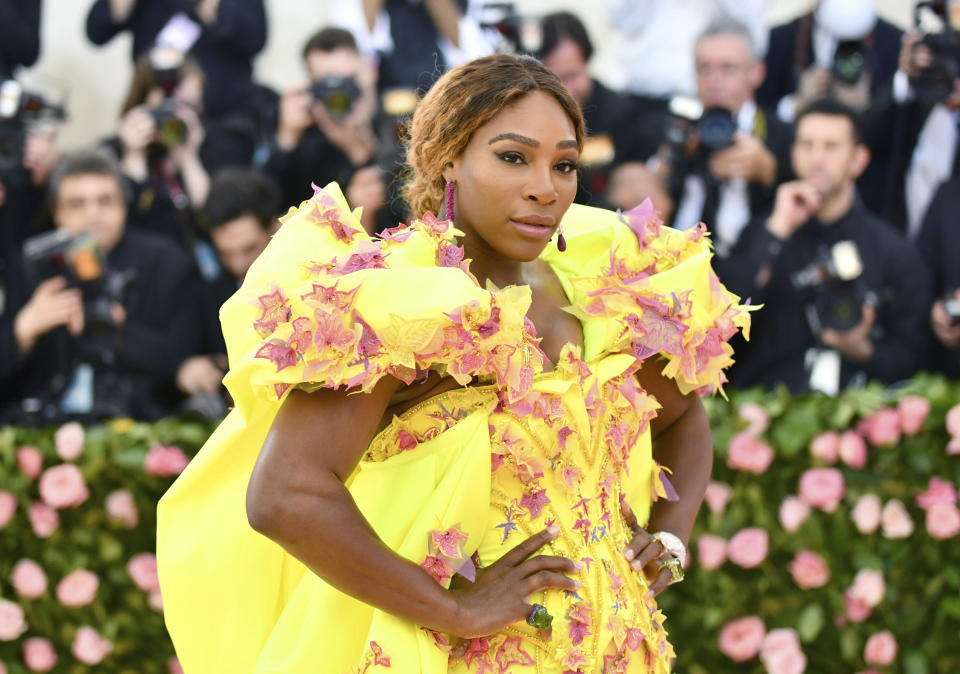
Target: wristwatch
673,545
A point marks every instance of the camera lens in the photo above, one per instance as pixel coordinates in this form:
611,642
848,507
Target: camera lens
716,129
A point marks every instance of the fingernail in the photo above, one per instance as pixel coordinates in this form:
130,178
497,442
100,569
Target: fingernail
629,554
553,530
578,565
579,584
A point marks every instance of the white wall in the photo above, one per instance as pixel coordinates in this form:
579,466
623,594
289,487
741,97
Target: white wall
95,79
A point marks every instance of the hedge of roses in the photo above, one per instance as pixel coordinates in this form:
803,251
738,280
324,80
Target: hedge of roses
830,539
78,575
830,536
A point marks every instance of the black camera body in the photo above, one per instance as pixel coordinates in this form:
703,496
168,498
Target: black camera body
18,109
171,128
337,94
833,286
934,83
849,62
693,133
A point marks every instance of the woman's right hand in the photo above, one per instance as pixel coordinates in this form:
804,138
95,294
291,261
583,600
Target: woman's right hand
502,592
137,129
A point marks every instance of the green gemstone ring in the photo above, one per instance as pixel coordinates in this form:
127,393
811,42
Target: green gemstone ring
539,617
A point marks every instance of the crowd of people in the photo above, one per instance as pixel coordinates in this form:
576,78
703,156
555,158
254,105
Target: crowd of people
821,155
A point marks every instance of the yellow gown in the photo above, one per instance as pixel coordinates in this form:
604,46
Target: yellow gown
462,477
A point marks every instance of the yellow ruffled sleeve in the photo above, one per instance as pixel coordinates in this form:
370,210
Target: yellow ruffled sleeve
327,306
646,289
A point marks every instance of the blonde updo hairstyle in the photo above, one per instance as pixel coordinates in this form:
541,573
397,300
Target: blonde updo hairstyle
459,103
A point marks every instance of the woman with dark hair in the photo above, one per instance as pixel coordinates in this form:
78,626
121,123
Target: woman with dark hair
478,507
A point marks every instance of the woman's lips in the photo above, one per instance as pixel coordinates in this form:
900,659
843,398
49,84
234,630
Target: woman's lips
536,226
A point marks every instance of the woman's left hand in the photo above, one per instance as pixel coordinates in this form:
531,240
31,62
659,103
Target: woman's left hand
644,552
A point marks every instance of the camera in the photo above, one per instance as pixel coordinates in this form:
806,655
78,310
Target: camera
338,94
165,70
171,129
833,283
951,305
510,31
19,109
77,259
849,62
711,129
934,83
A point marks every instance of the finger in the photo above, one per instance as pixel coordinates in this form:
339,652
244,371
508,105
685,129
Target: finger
661,582
549,563
528,547
626,512
641,538
829,337
647,554
547,580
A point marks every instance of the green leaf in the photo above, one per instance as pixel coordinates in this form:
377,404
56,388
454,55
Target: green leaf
130,458
810,623
914,663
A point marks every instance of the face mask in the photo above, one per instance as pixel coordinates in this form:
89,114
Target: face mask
846,19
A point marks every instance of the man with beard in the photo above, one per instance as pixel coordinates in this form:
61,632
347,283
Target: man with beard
846,298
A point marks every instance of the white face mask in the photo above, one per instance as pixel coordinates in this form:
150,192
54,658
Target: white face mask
846,19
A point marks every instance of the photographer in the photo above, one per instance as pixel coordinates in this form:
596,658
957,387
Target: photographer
223,36
913,127
111,315
326,128
939,245
160,138
840,49
723,169
846,298
241,214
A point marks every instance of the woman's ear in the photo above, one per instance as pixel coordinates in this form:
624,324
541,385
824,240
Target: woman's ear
449,172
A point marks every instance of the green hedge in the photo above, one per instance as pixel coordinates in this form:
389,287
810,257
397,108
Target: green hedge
909,593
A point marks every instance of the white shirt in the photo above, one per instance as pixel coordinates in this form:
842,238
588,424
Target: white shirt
733,207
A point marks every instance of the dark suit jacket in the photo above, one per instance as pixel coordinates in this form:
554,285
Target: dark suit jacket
791,51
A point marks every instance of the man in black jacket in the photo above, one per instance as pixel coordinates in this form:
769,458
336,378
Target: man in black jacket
846,298
102,335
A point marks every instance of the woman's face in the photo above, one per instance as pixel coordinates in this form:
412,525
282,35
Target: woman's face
517,177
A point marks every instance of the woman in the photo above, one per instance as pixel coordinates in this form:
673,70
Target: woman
484,480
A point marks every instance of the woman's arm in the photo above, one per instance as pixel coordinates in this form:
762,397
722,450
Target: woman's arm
682,443
297,497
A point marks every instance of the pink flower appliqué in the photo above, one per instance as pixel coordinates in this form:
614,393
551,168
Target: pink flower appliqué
273,311
438,568
448,543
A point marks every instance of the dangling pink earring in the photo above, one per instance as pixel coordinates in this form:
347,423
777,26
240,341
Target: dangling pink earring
449,193
561,242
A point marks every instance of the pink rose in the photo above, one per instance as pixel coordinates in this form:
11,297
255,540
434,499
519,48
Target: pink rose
943,521
881,649
155,600
953,421
164,461
869,587
28,579
781,654
747,453
43,519
143,570
121,508
740,639
30,461
809,570
756,417
822,488
913,411
89,647
748,547
853,450
78,588
882,428
174,667
856,609
8,506
717,496
825,447
895,520
793,513
38,654
63,486
12,624
711,551
866,513
69,441
938,491
953,447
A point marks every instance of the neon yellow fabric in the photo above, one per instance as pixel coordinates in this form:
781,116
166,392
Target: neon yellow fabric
464,475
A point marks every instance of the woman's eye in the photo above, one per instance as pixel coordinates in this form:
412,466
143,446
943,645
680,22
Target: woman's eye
511,157
567,167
